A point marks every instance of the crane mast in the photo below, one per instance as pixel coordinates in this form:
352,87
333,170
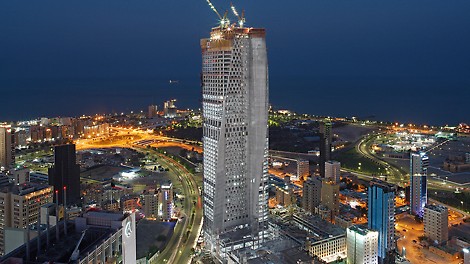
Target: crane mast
224,21
241,19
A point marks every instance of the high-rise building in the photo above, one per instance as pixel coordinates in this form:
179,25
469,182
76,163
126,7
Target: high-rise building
330,197
326,138
333,171
19,206
65,175
381,217
152,111
436,223
20,175
166,201
362,245
284,196
235,135
150,205
303,169
6,147
311,197
419,163
169,108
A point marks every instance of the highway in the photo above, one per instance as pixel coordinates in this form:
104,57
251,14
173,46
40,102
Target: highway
186,237
363,147
187,231
398,176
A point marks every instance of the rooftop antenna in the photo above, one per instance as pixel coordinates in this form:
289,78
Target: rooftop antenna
224,22
241,19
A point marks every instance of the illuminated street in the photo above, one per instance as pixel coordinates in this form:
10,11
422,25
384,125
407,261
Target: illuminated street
187,231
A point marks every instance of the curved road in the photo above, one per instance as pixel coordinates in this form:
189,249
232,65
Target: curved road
184,238
363,147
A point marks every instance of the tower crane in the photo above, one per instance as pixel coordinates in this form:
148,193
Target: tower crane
241,19
224,21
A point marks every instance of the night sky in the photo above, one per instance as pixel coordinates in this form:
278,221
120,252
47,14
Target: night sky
400,60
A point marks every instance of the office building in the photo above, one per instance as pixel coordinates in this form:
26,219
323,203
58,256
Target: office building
284,196
6,147
381,218
169,108
166,201
19,175
326,141
65,174
436,223
333,171
362,245
330,197
152,111
419,163
20,205
235,135
4,180
150,205
100,237
467,158
311,197
303,169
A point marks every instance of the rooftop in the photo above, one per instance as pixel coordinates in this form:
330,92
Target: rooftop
318,228
107,215
62,249
387,187
362,230
24,189
436,207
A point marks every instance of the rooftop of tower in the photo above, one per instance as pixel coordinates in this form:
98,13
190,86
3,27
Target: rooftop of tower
387,187
361,229
230,32
436,208
24,189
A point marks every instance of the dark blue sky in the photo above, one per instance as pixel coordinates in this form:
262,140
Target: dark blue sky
401,60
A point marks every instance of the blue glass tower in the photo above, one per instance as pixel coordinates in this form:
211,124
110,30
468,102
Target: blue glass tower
381,218
419,163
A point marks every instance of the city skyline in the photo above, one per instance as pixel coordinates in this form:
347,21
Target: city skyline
226,172
98,59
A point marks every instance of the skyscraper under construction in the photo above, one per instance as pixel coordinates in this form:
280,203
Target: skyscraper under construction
235,135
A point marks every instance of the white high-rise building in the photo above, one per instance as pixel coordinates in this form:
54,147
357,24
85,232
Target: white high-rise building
419,163
333,171
362,245
235,135
436,223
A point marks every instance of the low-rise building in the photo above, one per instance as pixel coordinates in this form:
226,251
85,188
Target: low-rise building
324,240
